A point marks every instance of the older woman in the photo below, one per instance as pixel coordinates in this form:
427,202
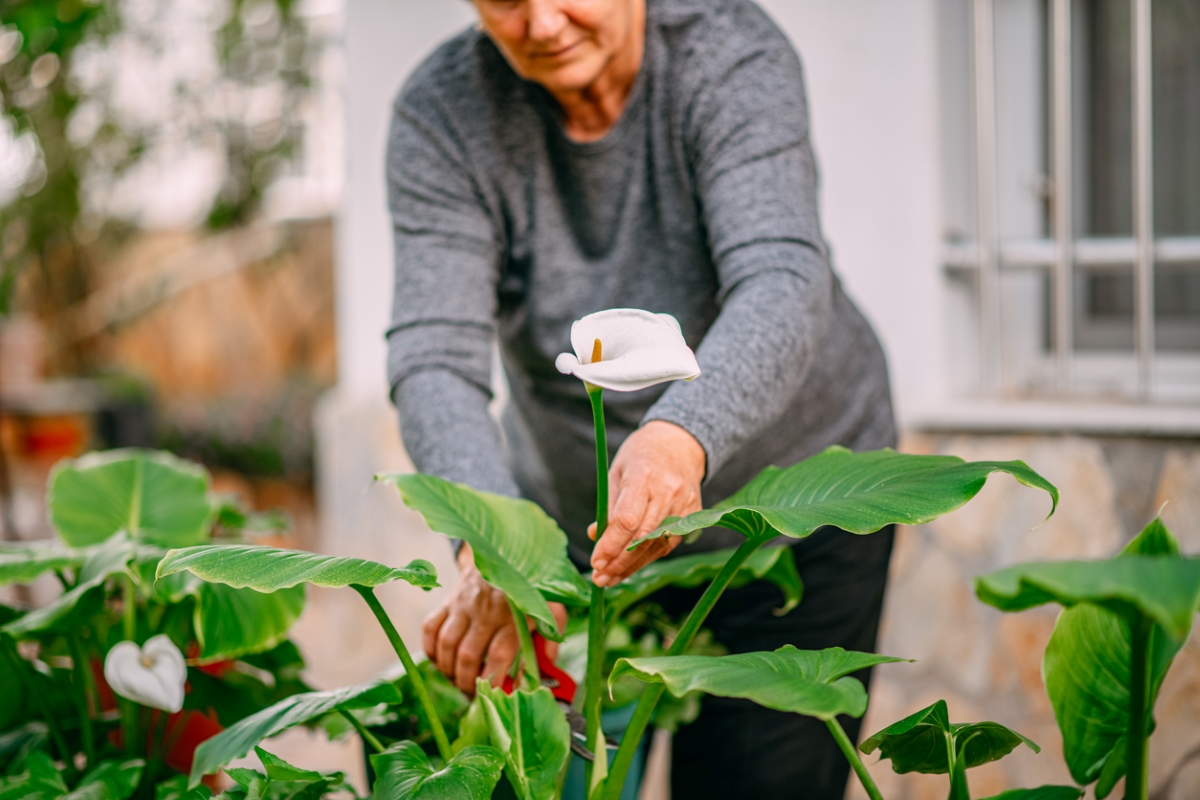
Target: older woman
568,156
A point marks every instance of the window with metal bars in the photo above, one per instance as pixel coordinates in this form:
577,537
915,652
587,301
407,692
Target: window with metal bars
1071,143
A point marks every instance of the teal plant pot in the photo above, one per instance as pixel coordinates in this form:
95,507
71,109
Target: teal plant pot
614,722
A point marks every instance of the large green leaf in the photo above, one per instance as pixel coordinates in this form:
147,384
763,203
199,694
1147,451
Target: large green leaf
237,740
774,564
110,780
281,781
1164,588
815,683
922,742
518,548
1040,793
25,562
857,492
40,780
404,772
152,495
232,622
529,729
1086,671
268,569
110,558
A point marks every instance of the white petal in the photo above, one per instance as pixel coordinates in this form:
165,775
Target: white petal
159,685
638,349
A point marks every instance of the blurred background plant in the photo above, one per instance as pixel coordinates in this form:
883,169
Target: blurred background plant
167,171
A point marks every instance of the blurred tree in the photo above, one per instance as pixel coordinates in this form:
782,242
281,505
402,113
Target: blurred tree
67,124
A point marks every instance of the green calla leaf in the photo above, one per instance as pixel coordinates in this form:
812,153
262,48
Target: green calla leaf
404,772
1086,671
110,780
237,740
1165,589
517,547
1040,793
774,564
279,770
268,569
857,492
921,742
24,563
39,780
814,683
529,729
152,495
176,788
110,558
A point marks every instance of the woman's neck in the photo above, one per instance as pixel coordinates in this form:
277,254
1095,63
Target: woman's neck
591,112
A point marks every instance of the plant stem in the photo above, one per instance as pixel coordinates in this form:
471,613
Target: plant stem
82,699
410,667
593,684
528,656
8,649
649,699
1139,684
851,753
128,709
366,735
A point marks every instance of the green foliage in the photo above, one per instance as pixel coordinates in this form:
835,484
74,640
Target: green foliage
281,781
857,492
517,547
404,772
154,496
1086,668
1040,793
110,780
529,729
774,564
928,742
268,569
40,779
237,740
108,559
808,682
27,561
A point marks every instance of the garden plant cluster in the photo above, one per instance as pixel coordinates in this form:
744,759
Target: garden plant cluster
166,658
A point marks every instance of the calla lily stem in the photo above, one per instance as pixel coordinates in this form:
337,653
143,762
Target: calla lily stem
82,699
129,616
410,667
649,699
1139,690
594,678
528,656
366,735
856,763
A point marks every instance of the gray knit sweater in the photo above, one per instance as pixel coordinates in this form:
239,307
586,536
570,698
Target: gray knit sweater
701,202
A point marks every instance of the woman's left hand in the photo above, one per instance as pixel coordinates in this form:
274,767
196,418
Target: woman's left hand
656,474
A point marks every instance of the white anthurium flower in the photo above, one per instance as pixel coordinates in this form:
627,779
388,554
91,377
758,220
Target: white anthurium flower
153,675
627,349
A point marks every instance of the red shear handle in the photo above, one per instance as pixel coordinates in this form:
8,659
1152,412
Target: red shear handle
560,684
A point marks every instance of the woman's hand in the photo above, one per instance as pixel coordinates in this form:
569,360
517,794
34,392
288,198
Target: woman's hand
471,634
656,474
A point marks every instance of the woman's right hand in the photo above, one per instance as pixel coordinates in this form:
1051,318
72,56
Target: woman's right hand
471,634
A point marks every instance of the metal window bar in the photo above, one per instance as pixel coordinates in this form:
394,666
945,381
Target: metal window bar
1064,220
986,222
1143,200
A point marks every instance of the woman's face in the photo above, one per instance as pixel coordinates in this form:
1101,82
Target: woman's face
564,45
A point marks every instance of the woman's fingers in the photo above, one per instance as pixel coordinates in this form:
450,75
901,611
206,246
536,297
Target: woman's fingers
430,628
469,658
632,560
451,633
500,654
624,522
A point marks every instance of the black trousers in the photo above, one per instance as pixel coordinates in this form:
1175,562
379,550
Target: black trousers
737,749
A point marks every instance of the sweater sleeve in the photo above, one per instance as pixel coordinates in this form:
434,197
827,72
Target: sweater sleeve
443,327
755,176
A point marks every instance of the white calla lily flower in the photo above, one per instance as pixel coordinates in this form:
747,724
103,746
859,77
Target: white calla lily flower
153,675
627,349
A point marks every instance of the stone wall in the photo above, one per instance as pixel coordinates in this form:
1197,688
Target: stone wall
987,665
